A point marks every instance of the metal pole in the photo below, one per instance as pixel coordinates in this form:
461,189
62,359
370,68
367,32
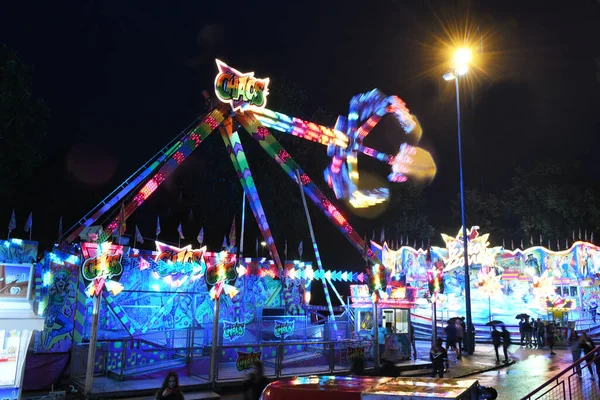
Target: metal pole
215,333
434,321
89,376
469,345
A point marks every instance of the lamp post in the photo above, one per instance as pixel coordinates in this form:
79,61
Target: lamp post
460,66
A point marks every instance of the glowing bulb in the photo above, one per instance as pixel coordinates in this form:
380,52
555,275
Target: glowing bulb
462,58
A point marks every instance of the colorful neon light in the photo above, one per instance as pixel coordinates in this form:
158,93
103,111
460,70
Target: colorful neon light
240,90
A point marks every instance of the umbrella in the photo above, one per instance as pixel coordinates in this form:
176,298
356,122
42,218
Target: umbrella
522,316
491,323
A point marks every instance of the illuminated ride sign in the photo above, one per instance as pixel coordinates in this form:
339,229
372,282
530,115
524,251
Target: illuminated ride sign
477,246
245,361
239,89
103,269
219,273
233,330
176,265
283,329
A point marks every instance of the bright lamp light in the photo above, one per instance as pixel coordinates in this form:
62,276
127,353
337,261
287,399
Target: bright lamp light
462,58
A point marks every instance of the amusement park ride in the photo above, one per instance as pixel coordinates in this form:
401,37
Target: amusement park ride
152,310
138,302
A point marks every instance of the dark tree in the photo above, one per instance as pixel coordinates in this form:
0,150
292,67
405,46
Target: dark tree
23,123
548,199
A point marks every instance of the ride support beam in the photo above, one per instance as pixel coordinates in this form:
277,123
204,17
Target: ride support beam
268,142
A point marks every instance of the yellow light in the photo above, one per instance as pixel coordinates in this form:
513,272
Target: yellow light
462,58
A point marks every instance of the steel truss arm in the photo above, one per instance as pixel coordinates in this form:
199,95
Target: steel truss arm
285,161
193,140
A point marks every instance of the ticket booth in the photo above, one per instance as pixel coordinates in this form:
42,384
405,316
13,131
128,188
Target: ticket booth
394,311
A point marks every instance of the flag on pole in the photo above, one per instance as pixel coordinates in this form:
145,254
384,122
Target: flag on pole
585,238
573,235
531,240
557,244
285,249
12,224
401,240
138,235
422,244
503,245
200,237
579,233
122,220
592,238
257,247
566,244
415,244
191,215
549,247
180,231
60,229
541,241
512,244
373,235
382,236
232,241
157,226
180,198
29,222
224,245
300,249
522,247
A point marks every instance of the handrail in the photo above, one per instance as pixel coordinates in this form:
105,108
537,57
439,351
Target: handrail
563,372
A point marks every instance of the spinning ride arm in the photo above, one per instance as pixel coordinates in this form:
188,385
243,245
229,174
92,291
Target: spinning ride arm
240,164
285,161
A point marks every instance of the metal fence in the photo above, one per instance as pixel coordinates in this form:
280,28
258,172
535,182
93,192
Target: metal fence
291,358
576,382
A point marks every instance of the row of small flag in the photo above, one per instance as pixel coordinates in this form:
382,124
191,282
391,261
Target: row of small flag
584,238
12,224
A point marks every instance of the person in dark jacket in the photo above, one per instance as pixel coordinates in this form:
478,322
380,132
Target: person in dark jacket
496,341
170,388
588,346
438,356
506,342
255,383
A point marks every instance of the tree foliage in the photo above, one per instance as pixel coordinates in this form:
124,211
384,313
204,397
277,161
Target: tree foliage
546,200
23,123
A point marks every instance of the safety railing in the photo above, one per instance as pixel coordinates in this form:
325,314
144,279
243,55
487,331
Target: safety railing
290,358
576,382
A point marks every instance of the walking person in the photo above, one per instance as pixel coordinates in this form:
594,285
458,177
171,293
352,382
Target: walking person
576,349
550,332
588,346
527,329
464,328
540,329
170,388
459,337
496,341
506,342
412,340
438,356
522,330
451,338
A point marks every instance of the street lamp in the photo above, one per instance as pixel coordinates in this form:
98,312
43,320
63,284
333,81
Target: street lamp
263,244
460,66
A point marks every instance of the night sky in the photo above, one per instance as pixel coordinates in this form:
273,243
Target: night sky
122,78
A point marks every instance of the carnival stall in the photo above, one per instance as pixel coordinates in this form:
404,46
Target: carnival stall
17,319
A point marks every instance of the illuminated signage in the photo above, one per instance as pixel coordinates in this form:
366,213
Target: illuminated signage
477,246
103,269
240,89
246,360
233,330
283,329
355,353
178,263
